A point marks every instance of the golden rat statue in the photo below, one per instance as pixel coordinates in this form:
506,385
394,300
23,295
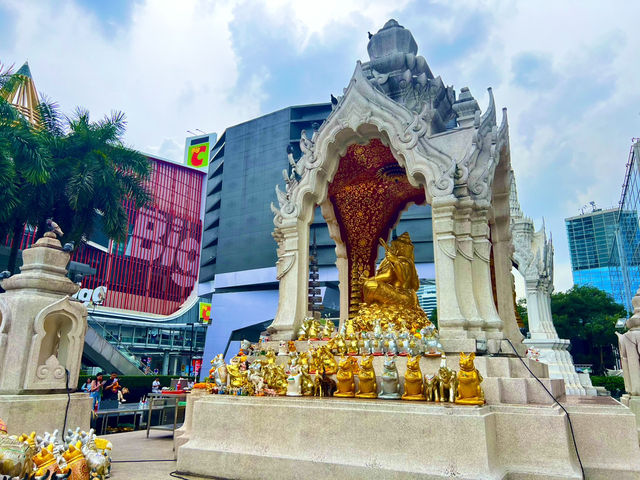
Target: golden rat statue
367,385
327,361
346,383
413,386
391,294
469,379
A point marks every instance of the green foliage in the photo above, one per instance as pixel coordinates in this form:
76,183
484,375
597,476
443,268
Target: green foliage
434,317
587,316
25,162
71,169
138,385
521,308
94,174
614,384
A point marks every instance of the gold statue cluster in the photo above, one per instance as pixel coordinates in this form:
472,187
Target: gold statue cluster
390,296
310,374
79,456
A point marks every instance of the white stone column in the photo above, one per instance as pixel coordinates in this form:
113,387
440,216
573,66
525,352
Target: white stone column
481,270
464,279
292,272
451,322
536,329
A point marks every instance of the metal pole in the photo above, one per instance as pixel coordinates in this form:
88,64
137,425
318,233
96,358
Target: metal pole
191,357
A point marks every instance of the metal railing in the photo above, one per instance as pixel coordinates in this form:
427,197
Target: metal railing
116,343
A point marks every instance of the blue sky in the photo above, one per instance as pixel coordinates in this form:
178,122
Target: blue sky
567,72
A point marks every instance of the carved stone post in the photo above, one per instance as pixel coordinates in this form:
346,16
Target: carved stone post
292,271
492,324
451,322
463,268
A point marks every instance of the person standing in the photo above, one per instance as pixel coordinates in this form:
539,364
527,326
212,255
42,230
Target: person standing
95,391
87,386
110,391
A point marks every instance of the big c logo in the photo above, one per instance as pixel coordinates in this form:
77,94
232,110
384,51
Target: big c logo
198,155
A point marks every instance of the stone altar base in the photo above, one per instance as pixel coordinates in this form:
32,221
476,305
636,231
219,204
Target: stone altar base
633,402
44,413
319,438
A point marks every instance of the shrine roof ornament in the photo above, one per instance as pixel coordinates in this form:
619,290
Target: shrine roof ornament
433,135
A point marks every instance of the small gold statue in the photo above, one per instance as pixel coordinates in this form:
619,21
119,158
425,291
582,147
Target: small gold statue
446,391
340,345
327,360
352,345
346,383
328,329
313,333
237,377
430,387
367,385
469,390
306,381
413,386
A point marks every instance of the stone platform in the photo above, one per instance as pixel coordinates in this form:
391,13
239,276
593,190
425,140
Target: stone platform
44,413
317,438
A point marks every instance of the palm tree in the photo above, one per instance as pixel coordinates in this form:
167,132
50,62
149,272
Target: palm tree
24,163
94,174
74,170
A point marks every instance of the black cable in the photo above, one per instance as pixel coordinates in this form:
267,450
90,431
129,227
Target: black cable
145,461
66,411
174,474
573,437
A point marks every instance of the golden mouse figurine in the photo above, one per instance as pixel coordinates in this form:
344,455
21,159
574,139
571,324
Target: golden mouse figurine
413,386
367,385
328,329
469,379
306,380
346,383
328,362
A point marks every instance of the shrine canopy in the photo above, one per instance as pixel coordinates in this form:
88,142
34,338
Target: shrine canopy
399,135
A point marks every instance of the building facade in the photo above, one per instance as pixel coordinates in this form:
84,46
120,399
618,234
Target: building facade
591,237
624,263
237,269
142,293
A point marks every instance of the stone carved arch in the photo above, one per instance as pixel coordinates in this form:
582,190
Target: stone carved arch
5,325
466,157
501,238
59,330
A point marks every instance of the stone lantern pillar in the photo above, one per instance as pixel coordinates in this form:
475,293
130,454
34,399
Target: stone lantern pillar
42,332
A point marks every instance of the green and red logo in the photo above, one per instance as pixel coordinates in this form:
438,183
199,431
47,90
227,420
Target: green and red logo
198,155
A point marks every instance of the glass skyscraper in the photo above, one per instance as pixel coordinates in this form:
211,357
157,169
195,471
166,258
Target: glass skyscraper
625,251
591,238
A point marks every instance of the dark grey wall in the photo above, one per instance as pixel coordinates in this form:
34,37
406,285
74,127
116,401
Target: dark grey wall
244,171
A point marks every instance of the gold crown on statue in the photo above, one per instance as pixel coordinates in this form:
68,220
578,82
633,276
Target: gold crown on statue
403,245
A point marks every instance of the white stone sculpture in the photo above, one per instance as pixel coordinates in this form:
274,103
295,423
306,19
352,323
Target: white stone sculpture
294,386
42,332
533,255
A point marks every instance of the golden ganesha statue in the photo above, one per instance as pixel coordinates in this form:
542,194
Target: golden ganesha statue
391,294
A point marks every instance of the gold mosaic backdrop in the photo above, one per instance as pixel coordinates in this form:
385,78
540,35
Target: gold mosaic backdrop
368,193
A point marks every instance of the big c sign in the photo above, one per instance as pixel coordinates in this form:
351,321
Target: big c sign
166,240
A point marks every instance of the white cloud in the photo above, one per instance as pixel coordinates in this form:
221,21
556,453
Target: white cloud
171,68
